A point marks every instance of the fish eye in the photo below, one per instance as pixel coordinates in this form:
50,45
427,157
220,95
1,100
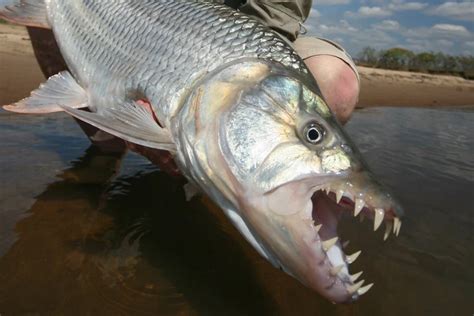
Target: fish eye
314,133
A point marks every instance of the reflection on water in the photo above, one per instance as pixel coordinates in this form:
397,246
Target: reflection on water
83,232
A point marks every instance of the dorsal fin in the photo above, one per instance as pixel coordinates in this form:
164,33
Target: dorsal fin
26,12
130,122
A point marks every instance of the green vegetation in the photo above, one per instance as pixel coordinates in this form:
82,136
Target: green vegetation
427,62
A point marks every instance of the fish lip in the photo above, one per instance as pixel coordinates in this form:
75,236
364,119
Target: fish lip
315,180
320,263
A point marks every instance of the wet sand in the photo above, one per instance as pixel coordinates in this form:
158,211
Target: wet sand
19,71
381,87
20,74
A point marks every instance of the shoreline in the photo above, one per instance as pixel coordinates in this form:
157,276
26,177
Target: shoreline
382,87
379,87
20,73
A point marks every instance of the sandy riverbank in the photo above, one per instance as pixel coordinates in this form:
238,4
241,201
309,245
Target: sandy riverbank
19,74
19,71
380,87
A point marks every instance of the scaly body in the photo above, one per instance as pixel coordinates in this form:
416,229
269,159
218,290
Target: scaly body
156,49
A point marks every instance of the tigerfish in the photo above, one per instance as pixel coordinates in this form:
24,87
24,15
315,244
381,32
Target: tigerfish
238,109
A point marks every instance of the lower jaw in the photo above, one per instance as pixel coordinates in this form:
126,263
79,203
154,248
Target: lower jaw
327,213
321,262
332,262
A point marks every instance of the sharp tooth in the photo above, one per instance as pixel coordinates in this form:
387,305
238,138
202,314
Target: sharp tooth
335,270
359,205
348,195
379,214
364,289
345,244
352,288
329,243
388,229
339,195
355,276
318,227
398,228
328,190
396,222
350,259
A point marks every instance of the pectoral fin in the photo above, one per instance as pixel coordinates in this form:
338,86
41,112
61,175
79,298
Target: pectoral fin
26,12
130,122
60,89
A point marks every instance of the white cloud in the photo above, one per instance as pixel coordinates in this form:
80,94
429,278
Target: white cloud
346,26
444,43
378,2
451,29
353,39
373,12
420,45
330,30
448,38
438,31
405,6
369,12
314,19
375,23
426,45
387,25
456,10
332,2
371,37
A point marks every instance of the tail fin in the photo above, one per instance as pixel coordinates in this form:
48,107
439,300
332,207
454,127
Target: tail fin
25,12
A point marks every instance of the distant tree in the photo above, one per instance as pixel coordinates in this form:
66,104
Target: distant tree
449,64
404,59
466,62
396,58
423,62
467,66
368,56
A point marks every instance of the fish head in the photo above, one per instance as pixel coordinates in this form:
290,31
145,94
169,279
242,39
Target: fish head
265,146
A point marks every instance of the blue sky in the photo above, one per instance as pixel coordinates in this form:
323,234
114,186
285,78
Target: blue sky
420,26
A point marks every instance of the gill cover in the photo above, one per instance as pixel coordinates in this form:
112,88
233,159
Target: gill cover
243,127
240,135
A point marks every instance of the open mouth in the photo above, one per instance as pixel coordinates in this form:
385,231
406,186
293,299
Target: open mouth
328,206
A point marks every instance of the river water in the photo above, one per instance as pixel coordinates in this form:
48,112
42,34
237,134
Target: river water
82,232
